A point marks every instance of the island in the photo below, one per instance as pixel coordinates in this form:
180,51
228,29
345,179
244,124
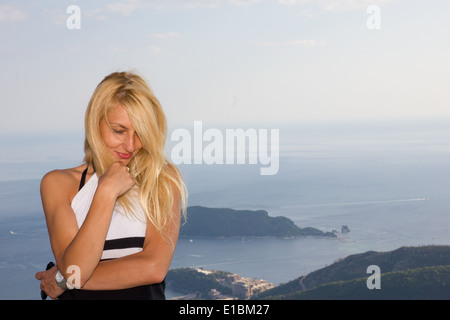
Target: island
226,222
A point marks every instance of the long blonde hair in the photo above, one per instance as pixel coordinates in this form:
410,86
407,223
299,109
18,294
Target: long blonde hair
155,175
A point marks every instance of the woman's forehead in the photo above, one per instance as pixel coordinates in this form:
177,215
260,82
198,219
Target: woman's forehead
118,115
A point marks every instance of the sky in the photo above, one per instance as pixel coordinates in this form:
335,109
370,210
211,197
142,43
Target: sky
236,62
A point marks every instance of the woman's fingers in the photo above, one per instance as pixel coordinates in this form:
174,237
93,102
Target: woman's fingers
117,178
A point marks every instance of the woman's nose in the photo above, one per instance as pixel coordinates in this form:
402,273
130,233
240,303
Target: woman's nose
130,143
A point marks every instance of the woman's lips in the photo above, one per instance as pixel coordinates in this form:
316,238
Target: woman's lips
124,155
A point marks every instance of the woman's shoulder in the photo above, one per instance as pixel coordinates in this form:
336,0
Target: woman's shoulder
63,178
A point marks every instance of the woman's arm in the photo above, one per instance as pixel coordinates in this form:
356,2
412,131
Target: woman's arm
81,247
146,267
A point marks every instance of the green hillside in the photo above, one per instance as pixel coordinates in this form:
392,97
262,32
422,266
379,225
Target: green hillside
406,273
429,283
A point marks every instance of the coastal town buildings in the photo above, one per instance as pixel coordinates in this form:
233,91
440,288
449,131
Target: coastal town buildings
242,288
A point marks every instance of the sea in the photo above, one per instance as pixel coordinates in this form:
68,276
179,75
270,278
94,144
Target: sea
388,181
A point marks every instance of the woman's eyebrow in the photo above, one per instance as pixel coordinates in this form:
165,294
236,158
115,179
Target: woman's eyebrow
118,124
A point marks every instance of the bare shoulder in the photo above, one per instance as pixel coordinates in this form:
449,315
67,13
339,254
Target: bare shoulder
61,182
60,176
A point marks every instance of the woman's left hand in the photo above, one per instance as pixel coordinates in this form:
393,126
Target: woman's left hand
48,282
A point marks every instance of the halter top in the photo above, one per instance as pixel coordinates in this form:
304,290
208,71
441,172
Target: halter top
126,235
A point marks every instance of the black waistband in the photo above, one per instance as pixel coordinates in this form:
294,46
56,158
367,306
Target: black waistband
147,292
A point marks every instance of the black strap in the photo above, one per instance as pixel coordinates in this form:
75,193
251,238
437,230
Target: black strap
83,178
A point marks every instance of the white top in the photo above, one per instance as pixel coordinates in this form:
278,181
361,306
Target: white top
126,234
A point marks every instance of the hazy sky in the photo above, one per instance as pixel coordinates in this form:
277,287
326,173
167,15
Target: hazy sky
243,62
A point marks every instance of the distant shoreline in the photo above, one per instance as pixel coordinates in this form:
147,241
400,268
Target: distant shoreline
256,237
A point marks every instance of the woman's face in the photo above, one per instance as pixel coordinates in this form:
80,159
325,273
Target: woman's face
119,137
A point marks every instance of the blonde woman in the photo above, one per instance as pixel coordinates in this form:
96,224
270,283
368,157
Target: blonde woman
113,222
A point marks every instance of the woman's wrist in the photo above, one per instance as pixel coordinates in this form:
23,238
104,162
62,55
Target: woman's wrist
106,193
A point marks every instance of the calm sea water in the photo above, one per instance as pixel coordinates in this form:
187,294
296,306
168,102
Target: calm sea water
388,182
